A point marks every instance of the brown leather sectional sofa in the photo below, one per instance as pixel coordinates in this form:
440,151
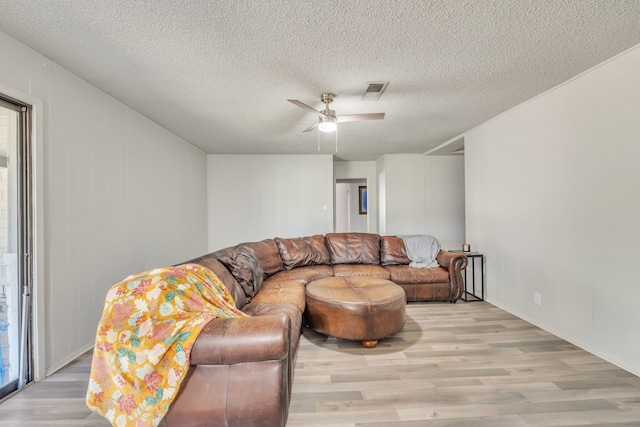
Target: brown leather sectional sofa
241,370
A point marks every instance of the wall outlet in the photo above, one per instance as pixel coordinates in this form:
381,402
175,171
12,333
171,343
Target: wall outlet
537,298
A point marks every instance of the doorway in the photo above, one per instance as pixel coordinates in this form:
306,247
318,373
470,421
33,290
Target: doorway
351,206
15,246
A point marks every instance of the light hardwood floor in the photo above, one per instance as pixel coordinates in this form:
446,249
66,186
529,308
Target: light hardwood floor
464,364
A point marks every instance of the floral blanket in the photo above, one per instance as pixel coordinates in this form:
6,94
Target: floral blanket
144,338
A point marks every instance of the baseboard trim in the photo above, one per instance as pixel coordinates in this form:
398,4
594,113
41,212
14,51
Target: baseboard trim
70,358
569,338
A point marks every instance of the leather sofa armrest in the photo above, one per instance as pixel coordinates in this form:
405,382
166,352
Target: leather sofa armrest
454,263
241,340
451,261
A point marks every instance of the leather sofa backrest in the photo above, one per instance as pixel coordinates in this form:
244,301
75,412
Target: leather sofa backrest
227,278
392,251
353,248
244,266
267,254
303,251
252,262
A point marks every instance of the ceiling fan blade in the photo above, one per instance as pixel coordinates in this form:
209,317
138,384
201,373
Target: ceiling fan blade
310,128
305,107
359,117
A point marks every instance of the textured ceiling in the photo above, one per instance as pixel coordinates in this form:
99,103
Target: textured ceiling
218,73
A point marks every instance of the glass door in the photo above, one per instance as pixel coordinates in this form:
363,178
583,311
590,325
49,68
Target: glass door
15,246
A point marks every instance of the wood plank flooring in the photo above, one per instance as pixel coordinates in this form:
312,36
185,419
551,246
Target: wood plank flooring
464,364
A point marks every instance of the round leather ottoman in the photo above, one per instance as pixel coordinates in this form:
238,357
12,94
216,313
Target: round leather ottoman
359,308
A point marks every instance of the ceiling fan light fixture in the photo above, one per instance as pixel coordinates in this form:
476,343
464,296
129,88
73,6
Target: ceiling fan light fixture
328,120
327,124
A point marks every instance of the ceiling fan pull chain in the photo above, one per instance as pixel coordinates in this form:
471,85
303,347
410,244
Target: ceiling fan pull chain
336,132
318,141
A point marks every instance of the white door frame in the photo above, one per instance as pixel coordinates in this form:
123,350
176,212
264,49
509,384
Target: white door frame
38,315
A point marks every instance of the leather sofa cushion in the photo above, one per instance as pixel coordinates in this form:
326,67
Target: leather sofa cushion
303,251
267,254
392,251
223,274
303,274
354,248
285,292
360,270
401,274
244,266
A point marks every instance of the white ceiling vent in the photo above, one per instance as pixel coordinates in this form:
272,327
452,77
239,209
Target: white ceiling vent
374,91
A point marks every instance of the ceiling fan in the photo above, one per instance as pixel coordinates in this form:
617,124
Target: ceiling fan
327,118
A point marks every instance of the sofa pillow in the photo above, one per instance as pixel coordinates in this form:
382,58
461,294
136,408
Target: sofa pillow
303,251
354,248
392,251
244,266
267,254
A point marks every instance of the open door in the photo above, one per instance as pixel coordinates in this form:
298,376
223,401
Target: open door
351,206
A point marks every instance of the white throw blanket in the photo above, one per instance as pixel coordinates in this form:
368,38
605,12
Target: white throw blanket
422,250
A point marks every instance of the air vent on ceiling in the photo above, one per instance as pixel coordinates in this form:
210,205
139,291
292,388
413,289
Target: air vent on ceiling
374,90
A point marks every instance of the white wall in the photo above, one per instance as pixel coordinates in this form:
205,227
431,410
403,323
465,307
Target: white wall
552,201
381,182
342,207
422,195
404,194
444,199
255,197
116,195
